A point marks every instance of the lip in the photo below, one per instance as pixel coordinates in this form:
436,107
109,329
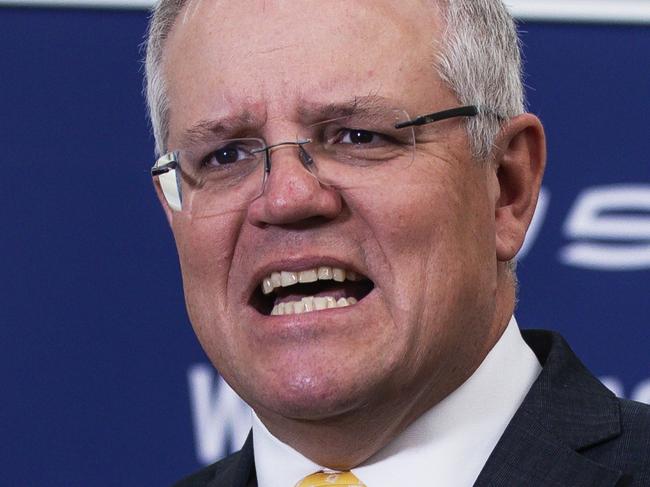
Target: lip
295,265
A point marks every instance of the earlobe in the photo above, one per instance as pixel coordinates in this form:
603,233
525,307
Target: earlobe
519,165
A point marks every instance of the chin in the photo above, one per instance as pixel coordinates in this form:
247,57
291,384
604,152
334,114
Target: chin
309,396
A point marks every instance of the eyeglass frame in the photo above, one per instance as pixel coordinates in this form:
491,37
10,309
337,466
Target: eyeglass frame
305,158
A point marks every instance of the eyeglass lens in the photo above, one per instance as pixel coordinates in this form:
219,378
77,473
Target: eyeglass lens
345,152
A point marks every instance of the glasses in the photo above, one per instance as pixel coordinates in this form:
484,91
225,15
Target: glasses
359,149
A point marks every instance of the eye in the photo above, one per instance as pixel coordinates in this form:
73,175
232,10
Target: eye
359,137
229,154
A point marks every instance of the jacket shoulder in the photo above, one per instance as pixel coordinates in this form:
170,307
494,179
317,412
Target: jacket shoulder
629,452
575,410
635,422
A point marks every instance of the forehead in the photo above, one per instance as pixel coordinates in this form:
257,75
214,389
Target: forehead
272,56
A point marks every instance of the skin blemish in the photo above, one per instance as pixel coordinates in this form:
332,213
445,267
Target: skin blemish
276,49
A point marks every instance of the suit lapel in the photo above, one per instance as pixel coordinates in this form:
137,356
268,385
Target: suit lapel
239,473
528,454
566,411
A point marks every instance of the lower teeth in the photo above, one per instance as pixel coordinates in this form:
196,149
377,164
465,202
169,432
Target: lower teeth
309,304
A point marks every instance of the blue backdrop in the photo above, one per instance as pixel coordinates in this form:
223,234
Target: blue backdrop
103,382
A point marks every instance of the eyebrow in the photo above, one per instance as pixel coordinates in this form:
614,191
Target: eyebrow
359,105
205,130
231,126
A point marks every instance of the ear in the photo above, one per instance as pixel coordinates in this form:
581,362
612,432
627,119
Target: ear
163,200
519,165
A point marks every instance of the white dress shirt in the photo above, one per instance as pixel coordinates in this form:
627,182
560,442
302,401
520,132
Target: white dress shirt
447,445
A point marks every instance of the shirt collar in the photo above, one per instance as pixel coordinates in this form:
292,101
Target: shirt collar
447,445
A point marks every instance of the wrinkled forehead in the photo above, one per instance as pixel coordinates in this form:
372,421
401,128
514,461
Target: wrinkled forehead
272,56
246,22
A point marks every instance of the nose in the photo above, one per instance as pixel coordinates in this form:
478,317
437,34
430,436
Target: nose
292,193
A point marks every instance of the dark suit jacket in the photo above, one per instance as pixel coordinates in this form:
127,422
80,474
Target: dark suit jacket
569,431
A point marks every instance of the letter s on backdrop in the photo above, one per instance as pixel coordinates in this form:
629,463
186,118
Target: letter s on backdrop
614,221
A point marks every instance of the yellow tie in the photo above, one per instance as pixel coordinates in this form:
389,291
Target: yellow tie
331,479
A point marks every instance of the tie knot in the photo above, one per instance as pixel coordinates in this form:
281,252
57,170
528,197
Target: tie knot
331,479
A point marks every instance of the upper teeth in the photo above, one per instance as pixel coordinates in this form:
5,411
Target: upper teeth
289,278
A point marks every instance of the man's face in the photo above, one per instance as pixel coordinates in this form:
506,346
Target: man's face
423,236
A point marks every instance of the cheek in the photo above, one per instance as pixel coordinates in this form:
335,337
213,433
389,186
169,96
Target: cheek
205,249
201,257
204,245
410,221
436,233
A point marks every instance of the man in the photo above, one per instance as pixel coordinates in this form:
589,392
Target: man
347,263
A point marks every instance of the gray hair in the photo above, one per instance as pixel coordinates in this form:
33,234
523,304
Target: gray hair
162,20
478,58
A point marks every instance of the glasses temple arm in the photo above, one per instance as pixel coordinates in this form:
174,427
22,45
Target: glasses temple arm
164,169
467,111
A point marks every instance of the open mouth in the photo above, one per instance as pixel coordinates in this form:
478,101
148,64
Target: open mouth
287,292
